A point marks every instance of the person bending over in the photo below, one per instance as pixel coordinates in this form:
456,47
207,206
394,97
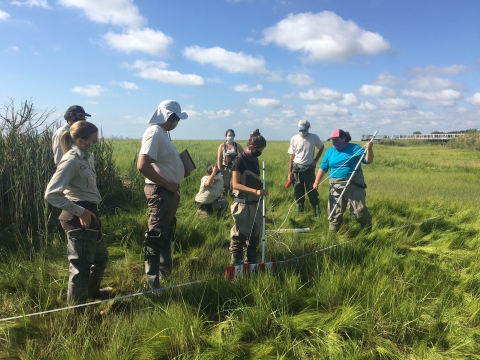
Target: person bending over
208,200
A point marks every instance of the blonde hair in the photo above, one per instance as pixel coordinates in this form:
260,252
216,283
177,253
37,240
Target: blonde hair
80,130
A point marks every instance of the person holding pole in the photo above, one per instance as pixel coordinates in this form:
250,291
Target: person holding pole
247,189
226,154
73,189
347,186
164,170
301,166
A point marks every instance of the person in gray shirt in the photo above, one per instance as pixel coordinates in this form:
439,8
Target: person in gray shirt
73,189
73,114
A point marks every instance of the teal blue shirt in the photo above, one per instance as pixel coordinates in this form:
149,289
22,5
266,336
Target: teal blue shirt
342,163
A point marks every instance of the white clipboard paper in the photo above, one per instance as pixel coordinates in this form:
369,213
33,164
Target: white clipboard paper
187,161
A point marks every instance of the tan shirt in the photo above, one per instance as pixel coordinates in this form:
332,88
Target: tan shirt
74,180
57,149
208,194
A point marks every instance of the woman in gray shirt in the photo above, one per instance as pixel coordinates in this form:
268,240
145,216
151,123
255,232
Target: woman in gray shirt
73,189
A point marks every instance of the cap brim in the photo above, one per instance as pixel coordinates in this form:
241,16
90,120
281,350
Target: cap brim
303,128
183,115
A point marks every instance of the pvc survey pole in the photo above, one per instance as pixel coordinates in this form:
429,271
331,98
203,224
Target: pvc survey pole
263,214
350,178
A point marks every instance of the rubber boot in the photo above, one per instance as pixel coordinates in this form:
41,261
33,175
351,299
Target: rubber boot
317,211
300,208
250,255
236,259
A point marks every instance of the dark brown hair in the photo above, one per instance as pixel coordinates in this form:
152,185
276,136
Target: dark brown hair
256,140
229,130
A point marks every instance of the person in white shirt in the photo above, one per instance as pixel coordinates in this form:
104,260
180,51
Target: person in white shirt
163,169
301,166
208,200
73,114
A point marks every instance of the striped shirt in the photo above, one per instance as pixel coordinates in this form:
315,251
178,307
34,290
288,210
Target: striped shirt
74,180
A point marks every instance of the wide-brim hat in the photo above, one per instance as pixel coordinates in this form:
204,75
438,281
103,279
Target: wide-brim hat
164,110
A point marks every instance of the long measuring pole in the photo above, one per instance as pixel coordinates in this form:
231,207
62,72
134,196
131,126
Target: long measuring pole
350,178
263,215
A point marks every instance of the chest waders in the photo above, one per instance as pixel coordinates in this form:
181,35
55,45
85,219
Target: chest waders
245,233
227,161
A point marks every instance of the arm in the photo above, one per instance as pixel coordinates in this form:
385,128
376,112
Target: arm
211,176
239,148
369,156
144,165
319,177
238,186
290,164
320,151
220,156
54,193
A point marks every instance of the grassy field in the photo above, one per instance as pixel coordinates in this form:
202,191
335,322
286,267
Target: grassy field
408,290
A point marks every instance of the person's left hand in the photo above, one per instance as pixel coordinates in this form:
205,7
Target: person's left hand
369,145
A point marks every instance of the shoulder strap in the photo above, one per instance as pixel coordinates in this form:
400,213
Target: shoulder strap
235,144
225,147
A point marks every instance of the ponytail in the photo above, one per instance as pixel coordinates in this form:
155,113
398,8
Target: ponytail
66,141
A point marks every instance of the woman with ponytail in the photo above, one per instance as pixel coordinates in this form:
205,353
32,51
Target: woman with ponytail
247,189
73,189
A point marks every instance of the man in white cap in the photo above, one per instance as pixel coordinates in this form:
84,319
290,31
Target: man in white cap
72,115
302,165
163,169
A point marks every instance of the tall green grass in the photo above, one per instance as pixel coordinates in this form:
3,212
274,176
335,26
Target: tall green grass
408,290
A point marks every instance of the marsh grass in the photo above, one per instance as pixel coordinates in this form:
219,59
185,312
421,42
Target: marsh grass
408,290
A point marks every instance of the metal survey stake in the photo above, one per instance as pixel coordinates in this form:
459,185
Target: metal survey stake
263,214
350,178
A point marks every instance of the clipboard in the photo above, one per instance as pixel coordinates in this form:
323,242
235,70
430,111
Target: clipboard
187,161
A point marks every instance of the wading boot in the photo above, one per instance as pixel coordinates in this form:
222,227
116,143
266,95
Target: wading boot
300,208
316,210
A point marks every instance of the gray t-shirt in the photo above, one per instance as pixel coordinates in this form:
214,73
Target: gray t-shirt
303,148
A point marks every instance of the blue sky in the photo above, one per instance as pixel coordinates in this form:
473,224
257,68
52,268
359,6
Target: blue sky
392,66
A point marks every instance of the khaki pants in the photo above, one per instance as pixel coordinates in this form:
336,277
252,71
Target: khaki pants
354,199
162,207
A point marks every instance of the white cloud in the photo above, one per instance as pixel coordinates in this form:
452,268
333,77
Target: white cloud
475,99
396,104
433,83
12,49
376,90
246,88
212,114
289,113
89,90
115,12
300,79
387,78
367,106
152,42
433,70
443,95
325,109
4,15
321,94
215,80
226,60
156,70
266,103
126,85
324,36
31,3
349,100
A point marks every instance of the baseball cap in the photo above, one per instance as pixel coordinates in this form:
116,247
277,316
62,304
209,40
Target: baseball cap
164,110
76,110
303,125
338,133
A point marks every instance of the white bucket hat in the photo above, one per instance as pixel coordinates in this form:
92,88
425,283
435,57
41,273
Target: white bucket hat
164,110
